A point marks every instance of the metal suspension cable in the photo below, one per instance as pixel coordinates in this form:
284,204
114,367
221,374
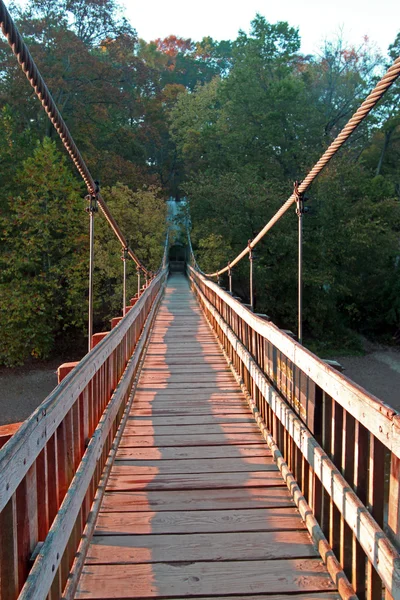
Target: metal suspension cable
368,104
195,263
36,80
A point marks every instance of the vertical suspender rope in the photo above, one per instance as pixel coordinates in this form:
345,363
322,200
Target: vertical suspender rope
300,212
124,257
138,282
230,279
92,209
251,277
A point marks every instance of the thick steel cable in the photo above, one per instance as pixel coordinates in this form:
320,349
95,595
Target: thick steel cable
365,108
36,80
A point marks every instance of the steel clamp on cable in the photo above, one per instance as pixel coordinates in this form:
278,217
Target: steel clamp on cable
299,199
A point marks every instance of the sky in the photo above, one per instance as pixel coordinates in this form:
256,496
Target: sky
221,19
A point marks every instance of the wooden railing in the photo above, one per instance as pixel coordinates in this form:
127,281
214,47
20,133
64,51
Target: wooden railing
52,466
337,446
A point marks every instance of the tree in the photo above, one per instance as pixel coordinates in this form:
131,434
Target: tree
143,215
383,154
43,278
97,20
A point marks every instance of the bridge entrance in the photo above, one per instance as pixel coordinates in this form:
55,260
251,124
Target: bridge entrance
177,258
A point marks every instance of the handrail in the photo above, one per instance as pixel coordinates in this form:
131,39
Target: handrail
333,434
381,418
51,466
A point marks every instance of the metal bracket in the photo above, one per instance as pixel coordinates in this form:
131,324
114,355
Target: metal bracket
92,200
251,255
299,198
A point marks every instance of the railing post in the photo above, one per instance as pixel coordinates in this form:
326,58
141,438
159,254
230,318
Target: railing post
91,209
138,281
300,213
123,258
251,257
230,277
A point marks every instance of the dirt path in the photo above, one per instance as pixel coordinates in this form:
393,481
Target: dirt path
22,389
378,372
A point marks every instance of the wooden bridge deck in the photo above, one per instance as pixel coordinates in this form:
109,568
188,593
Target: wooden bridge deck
195,506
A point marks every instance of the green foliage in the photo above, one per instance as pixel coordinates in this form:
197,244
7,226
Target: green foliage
246,137
352,253
43,272
143,216
231,124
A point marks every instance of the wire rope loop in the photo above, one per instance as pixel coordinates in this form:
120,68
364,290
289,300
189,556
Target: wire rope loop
299,199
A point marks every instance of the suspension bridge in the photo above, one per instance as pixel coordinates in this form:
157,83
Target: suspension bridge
197,450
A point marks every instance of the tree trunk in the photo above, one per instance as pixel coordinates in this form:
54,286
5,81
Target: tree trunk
388,135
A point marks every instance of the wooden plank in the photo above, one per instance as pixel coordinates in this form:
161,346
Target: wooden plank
134,549
183,352
121,479
189,379
7,431
210,465
210,578
143,421
200,452
181,346
201,439
187,388
303,596
178,500
186,430
152,367
192,400
183,361
146,409
199,521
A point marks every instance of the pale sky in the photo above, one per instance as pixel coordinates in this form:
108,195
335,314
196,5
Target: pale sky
221,19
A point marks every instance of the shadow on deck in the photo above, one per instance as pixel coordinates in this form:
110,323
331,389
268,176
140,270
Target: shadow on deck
195,506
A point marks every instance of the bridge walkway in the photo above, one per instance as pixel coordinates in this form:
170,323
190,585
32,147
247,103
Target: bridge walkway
195,506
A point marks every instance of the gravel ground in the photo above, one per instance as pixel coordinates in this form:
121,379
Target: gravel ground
22,389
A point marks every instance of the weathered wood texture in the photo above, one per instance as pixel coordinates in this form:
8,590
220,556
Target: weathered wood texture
51,466
195,505
341,444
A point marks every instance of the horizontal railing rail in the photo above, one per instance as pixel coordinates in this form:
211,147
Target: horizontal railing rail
51,467
341,444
